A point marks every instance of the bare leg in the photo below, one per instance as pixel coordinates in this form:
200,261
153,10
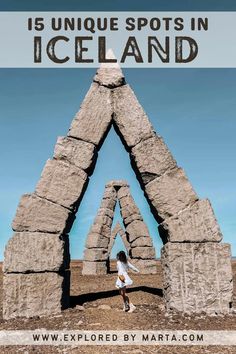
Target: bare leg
124,296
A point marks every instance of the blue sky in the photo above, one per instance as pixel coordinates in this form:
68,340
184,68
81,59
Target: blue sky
193,109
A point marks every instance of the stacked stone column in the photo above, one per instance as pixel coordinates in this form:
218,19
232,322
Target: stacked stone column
101,239
98,239
141,251
36,278
197,268
118,229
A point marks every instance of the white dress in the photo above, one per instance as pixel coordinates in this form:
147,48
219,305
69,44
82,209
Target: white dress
123,270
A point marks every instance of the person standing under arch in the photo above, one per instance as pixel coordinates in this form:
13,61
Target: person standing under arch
123,279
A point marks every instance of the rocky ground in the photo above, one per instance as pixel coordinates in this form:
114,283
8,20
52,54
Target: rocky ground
97,305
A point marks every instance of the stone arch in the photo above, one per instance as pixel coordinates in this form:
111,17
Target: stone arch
136,236
118,229
197,268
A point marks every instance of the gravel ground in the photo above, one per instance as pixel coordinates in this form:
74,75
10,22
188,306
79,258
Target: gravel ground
96,305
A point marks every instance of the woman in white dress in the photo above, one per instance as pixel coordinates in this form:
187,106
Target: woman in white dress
123,279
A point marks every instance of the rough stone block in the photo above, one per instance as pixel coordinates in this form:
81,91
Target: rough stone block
37,214
105,212
109,74
117,229
121,232
145,266
100,229
152,158
35,294
197,277
61,183
170,193
117,184
97,241
94,268
111,244
103,219
131,218
196,223
143,241
94,117
95,254
108,203
127,201
126,242
77,152
129,210
110,192
136,229
129,117
143,252
123,192
36,252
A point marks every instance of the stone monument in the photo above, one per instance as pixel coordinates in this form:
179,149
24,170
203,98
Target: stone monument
136,236
197,267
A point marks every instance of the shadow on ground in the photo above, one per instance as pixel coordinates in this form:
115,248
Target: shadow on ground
89,297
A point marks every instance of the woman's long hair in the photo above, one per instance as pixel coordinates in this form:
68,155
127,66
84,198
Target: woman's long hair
121,256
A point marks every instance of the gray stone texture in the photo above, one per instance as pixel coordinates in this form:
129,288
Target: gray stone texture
123,192
128,210
152,158
77,152
197,277
117,229
144,241
35,294
108,203
61,183
105,212
126,242
142,252
101,229
94,268
117,184
110,193
109,76
196,223
103,219
37,214
145,266
109,199
98,254
128,201
170,193
36,252
136,229
129,117
97,241
131,218
94,117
